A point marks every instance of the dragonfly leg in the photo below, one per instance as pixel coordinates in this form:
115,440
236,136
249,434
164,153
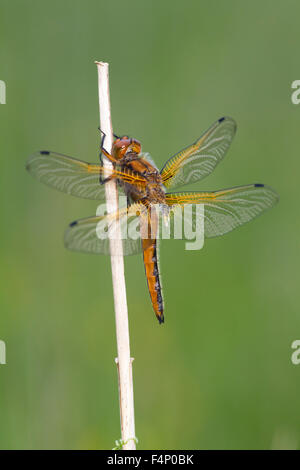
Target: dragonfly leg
103,151
102,138
106,180
108,155
101,146
111,158
104,135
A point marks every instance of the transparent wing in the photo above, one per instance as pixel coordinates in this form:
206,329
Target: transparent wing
148,157
229,208
73,176
94,234
221,212
200,159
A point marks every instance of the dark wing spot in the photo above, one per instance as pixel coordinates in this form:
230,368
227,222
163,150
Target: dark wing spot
44,152
73,223
259,185
221,119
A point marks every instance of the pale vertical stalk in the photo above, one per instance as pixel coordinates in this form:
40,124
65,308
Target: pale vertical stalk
124,362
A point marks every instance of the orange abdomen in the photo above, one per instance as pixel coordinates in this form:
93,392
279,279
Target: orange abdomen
152,274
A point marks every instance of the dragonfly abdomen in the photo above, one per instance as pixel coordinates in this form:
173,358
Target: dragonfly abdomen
152,274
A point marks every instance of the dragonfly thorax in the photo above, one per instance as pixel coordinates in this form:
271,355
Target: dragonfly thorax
155,193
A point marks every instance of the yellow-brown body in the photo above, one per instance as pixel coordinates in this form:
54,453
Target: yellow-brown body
149,192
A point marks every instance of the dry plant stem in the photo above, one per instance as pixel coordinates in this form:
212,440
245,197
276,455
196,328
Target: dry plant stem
124,361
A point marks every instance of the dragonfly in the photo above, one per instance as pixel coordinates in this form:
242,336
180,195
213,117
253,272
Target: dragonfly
144,187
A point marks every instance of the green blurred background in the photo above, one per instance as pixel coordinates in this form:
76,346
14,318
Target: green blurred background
218,373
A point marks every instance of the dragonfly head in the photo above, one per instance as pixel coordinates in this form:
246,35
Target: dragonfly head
124,145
